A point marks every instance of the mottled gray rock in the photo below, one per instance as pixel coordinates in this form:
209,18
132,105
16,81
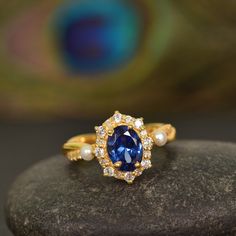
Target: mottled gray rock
189,191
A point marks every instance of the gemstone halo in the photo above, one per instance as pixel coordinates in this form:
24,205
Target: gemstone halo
122,144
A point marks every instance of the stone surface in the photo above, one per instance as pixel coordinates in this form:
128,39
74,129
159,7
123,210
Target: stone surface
125,145
190,190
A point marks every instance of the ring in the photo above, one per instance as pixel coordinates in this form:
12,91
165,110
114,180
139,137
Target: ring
122,145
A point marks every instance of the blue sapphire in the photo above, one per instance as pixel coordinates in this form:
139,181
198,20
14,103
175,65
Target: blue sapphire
125,145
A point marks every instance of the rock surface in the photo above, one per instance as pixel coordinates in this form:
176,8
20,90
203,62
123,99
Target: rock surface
190,190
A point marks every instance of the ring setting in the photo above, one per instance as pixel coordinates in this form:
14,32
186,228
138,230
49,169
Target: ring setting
122,145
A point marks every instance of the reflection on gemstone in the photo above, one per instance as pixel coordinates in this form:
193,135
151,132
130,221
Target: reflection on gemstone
125,145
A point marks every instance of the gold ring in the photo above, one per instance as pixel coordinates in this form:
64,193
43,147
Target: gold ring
122,145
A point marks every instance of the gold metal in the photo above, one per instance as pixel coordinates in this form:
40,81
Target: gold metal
98,140
71,148
137,164
118,164
110,132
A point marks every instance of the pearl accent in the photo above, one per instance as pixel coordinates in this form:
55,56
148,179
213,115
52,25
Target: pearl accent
160,138
86,152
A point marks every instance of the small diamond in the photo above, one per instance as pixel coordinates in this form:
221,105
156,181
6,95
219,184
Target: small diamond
147,154
101,131
99,152
147,143
146,164
100,142
128,119
143,133
103,162
117,117
138,123
129,177
108,124
108,171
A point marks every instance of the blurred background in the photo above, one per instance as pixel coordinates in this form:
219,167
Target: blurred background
65,66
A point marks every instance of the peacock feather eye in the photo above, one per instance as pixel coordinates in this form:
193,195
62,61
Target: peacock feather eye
96,36
89,39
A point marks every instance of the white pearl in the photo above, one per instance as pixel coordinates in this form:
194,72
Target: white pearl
86,152
160,138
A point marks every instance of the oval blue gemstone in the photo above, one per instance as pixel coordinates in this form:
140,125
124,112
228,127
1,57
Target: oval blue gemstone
125,145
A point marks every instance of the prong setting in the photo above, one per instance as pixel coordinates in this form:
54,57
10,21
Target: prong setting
110,132
137,164
118,164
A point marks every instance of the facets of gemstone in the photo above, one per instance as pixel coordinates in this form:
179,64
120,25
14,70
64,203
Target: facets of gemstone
117,117
125,146
129,177
108,171
101,131
147,143
100,142
143,133
146,164
108,124
128,119
99,152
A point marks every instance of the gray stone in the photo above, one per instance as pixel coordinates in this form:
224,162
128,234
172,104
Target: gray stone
189,191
